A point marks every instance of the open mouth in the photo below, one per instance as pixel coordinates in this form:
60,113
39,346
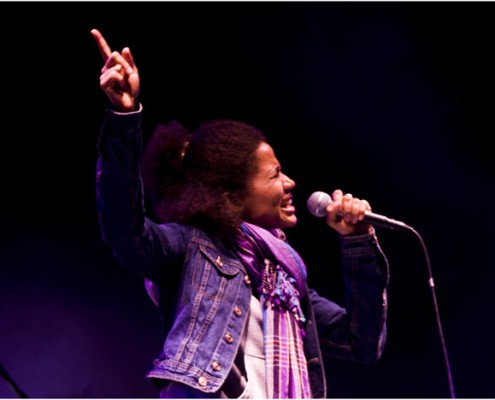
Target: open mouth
286,205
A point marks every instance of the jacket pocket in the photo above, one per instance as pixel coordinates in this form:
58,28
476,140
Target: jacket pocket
213,276
226,266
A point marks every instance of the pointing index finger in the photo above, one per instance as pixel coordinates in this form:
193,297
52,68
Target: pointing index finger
103,46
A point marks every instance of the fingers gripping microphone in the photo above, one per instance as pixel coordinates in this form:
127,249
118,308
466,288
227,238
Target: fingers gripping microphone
318,202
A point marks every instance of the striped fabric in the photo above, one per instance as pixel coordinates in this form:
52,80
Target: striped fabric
279,276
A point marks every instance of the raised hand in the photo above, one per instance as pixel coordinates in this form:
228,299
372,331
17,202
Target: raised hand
119,77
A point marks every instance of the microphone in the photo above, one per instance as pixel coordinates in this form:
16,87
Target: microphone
318,202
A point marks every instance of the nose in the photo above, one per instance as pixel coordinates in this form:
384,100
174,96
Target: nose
289,184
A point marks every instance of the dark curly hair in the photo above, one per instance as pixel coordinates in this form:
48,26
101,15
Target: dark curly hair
201,178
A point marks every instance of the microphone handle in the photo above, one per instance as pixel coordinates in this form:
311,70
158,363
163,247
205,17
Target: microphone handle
378,220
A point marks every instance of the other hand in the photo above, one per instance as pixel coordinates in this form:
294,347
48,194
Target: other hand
344,213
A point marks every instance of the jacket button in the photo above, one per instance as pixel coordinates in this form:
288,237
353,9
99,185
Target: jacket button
202,381
229,338
219,261
216,366
237,311
247,280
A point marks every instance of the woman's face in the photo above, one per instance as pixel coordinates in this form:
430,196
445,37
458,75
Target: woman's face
269,201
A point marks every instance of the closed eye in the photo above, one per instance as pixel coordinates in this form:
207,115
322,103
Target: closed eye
278,171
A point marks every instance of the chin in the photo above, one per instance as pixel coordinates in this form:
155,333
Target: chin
289,223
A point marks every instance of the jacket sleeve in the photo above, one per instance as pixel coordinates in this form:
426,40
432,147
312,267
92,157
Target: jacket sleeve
137,242
358,331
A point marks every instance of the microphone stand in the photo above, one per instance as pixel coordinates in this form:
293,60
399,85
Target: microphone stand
437,314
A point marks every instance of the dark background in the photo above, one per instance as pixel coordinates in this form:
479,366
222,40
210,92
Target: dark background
392,102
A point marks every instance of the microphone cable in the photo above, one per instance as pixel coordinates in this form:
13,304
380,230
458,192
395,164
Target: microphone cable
431,284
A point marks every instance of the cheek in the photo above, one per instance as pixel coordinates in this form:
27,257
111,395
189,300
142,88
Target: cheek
264,198
273,197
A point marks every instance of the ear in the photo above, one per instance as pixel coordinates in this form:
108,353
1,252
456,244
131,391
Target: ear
235,200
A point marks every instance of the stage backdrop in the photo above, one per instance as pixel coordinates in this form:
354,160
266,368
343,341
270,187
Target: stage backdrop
392,102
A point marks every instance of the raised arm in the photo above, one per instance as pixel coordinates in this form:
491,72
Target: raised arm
137,242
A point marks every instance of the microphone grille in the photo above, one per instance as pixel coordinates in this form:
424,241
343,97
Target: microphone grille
317,203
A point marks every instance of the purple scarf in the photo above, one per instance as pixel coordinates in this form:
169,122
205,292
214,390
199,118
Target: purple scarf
279,276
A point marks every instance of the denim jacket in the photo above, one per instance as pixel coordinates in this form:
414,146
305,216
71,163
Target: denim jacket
204,290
